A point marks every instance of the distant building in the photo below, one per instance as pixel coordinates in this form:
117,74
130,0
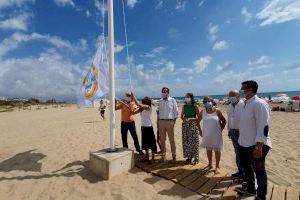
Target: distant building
17,99
3,99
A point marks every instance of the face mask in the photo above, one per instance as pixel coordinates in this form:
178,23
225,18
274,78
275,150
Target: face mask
208,105
243,93
128,99
188,100
164,95
232,99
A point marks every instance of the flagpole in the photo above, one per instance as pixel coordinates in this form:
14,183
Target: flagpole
111,74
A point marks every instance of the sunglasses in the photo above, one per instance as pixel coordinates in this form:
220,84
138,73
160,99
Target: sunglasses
205,101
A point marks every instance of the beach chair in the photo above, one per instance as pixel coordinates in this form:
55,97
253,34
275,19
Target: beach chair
296,105
288,106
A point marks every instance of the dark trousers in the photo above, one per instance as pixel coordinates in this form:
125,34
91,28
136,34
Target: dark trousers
234,138
125,126
255,165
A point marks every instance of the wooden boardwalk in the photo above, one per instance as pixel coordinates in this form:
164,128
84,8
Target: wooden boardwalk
208,184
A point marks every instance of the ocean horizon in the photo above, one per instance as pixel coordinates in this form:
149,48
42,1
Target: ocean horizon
260,94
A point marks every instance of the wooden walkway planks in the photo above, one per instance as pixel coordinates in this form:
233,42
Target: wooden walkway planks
206,183
292,194
278,192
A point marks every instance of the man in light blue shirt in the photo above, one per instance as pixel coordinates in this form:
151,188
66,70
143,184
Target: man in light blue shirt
168,113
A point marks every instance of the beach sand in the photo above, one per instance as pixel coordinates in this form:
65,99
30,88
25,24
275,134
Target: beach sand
44,154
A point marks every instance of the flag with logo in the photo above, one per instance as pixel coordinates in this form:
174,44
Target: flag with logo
96,82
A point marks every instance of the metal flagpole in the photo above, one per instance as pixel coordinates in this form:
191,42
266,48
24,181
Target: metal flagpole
111,74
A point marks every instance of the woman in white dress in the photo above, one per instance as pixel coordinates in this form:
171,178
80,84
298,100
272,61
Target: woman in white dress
213,124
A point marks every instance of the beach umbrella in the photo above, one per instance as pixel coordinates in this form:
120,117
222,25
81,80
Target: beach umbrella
296,98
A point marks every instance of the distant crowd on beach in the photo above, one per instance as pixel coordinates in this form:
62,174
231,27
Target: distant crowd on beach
247,127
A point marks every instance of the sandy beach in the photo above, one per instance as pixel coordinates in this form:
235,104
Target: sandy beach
44,153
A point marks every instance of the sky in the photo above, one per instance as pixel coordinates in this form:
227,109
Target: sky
201,46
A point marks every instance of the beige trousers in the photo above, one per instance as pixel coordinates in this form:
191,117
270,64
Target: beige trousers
167,127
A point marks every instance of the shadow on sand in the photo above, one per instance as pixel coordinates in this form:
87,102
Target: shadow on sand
29,162
26,161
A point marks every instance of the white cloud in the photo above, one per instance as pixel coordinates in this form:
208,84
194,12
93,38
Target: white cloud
13,42
64,3
131,3
16,23
279,11
156,51
87,12
201,3
10,3
213,30
228,21
221,45
102,8
159,5
46,76
119,48
247,16
173,33
264,76
170,66
261,63
201,64
230,77
225,66
292,68
180,5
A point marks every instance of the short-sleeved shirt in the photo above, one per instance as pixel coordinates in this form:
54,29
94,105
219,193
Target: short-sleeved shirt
126,112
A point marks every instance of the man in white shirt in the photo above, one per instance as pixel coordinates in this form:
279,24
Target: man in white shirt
254,141
233,115
168,113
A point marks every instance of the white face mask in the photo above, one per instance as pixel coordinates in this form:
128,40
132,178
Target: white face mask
127,99
232,100
188,100
164,95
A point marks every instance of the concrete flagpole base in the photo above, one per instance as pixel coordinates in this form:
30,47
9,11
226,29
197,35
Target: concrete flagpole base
107,164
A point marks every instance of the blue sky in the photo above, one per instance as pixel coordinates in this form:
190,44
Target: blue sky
200,46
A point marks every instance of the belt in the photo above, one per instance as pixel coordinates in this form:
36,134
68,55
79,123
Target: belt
167,119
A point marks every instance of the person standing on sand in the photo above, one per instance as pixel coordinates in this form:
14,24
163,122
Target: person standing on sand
190,116
102,108
148,136
168,113
213,125
157,132
128,110
233,116
254,141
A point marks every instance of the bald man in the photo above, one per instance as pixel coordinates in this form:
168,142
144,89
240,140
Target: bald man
233,115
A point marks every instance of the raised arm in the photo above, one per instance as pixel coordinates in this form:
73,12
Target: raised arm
118,105
142,106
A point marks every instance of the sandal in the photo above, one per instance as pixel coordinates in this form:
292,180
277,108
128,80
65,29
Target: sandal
195,161
188,161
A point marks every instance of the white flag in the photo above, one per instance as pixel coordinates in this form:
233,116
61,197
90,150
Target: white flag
96,83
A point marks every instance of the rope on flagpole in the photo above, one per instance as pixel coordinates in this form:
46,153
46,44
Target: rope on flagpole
126,43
